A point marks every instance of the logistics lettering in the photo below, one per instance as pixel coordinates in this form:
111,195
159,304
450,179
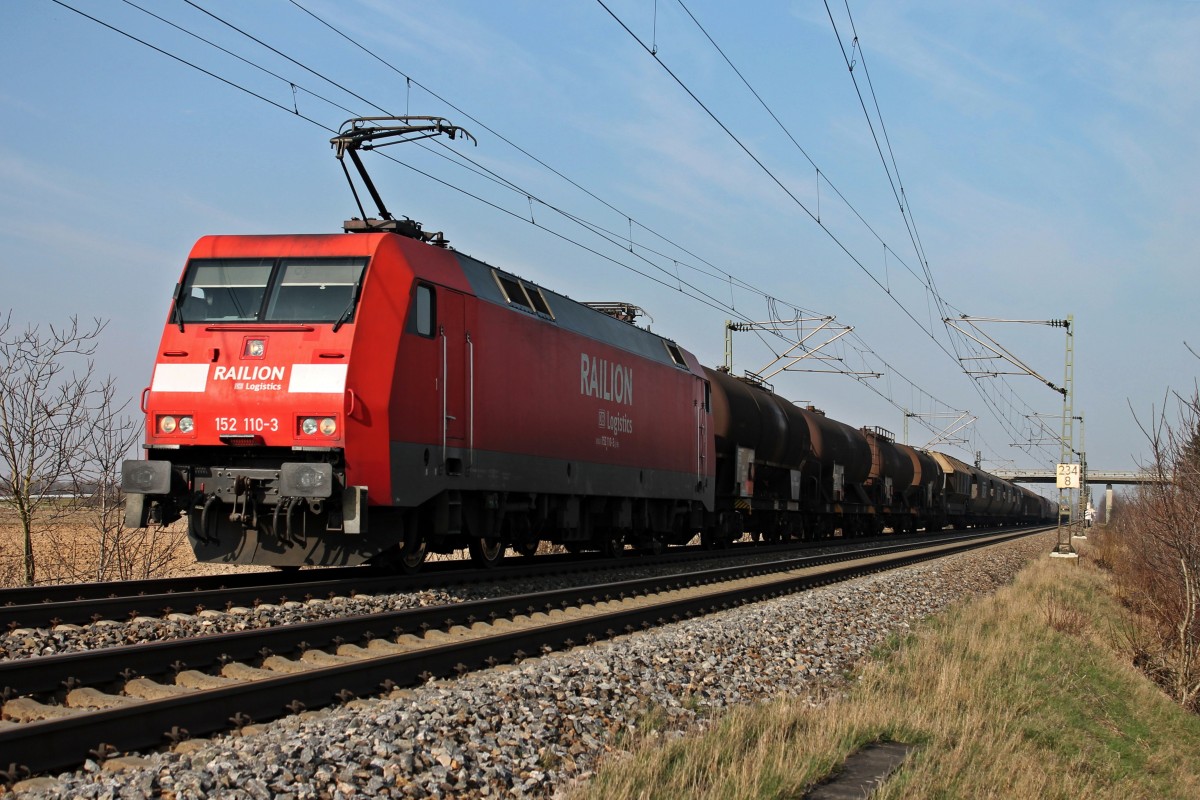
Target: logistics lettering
601,378
615,423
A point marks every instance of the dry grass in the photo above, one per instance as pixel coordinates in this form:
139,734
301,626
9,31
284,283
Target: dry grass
1026,693
67,550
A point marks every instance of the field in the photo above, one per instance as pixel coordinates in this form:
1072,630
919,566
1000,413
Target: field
69,545
1029,692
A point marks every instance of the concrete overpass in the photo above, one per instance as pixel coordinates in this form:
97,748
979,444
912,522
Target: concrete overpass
1094,476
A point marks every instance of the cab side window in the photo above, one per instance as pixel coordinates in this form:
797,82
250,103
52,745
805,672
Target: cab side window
424,312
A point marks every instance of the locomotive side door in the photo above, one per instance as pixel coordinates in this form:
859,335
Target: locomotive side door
456,381
703,404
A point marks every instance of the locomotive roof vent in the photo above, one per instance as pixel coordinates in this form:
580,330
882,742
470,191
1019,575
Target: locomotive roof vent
366,133
626,312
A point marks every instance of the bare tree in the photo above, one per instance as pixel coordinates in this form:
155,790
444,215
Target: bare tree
1161,552
119,552
106,445
49,401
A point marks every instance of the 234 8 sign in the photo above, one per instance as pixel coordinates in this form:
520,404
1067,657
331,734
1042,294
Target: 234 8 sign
1068,476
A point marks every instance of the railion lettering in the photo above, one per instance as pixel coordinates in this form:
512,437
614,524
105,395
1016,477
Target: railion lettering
606,380
245,373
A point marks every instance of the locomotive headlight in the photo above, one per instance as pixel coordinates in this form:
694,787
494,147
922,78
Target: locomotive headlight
166,424
308,426
329,426
186,425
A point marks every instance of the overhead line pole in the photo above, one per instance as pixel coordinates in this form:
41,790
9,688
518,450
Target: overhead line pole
1067,477
1064,548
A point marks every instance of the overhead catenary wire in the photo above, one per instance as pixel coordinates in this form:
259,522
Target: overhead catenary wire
196,67
772,176
701,297
893,180
897,188
779,123
706,299
957,339
243,59
615,239
931,288
411,81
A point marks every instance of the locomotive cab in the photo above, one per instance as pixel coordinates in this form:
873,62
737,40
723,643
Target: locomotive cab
250,400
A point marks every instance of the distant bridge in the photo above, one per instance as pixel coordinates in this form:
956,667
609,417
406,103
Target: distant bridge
1094,476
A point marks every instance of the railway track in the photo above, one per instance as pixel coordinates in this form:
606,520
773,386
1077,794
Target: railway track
79,604
97,703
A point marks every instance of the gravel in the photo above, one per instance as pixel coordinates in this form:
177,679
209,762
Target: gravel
30,642
537,727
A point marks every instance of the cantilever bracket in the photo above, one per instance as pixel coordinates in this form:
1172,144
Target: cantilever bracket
1000,352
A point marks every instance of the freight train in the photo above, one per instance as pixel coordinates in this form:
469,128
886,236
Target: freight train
375,396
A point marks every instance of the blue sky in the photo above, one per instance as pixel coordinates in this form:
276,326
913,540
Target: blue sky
1046,152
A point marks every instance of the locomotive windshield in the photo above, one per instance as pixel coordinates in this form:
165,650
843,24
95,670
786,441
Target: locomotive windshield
271,290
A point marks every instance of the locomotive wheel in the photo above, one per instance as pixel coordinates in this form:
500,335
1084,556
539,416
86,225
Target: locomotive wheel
612,545
526,547
412,554
485,552
406,557
651,546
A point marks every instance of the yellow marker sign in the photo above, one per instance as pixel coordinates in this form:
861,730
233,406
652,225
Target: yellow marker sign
1068,476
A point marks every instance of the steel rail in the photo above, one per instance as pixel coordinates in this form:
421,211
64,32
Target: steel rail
40,675
42,606
458,570
61,743
81,603
435,572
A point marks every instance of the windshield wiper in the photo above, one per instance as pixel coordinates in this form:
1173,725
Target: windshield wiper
176,314
345,316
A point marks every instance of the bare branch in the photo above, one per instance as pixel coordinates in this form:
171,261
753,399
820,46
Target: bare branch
50,402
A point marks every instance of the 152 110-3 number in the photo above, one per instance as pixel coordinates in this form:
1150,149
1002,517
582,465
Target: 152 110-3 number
247,424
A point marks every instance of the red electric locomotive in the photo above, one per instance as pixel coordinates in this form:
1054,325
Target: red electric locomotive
331,399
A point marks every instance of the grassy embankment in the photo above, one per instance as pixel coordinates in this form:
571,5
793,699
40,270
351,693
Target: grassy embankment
1025,693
